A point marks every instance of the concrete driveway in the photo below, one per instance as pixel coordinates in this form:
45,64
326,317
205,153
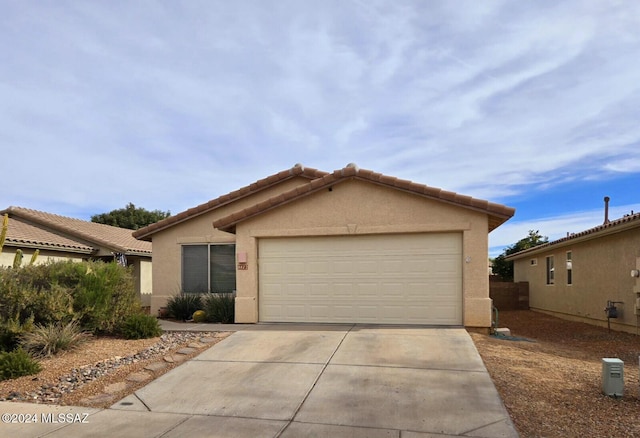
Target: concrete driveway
277,380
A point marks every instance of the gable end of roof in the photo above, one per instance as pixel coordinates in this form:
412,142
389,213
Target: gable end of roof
296,171
498,213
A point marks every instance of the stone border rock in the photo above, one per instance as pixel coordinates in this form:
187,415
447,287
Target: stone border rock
172,349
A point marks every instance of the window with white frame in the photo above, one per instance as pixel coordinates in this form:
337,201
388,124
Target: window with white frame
569,269
550,270
533,262
208,268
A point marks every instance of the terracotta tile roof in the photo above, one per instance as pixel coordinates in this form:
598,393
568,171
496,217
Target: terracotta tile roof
24,234
297,170
624,223
51,230
497,213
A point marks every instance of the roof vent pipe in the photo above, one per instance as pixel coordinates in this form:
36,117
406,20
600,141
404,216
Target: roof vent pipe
606,210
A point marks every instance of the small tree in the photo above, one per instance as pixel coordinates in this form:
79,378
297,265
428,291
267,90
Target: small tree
504,268
130,217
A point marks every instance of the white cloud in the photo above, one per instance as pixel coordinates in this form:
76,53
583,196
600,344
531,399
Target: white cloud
166,104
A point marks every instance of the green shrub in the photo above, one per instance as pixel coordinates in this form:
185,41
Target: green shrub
50,339
220,307
140,326
11,330
99,295
105,297
17,363
183,306
44,306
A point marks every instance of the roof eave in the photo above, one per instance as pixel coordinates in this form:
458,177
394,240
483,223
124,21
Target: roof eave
228,223
576,238
147,232
47,246
68,230
138,253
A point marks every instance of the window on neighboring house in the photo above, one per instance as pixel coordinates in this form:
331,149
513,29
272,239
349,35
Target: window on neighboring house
208,268
569,269
534,262
550,271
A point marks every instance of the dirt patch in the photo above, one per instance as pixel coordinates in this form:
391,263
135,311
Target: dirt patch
552,386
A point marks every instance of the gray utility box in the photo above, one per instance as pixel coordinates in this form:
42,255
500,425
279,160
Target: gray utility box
613,377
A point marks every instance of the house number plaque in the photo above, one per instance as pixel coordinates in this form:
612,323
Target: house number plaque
242,267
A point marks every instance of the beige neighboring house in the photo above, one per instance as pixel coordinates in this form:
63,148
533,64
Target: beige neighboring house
574,277
65,238
349,246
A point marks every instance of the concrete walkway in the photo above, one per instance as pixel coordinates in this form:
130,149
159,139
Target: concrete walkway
286,380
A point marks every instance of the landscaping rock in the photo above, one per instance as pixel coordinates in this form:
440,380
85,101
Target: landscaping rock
99,399
139,377
115,388
78,377
196,345
155,366
186,351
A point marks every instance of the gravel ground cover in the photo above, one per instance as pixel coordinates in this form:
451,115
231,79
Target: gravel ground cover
551,386
104,364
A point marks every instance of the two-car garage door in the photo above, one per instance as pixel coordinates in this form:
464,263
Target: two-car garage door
388,279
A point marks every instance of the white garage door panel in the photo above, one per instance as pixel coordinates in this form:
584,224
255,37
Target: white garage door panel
395,279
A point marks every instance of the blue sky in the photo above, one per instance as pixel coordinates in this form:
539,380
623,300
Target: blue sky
535,104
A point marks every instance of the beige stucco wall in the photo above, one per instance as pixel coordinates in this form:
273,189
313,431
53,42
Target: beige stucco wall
143,275
357,207
167,244
9,252
601,271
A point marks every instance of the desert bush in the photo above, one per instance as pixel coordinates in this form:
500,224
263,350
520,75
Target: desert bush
17,363
22,301
103,293
15,296
10,331
140,326
98,295
50,339
105,297
220,307
183,305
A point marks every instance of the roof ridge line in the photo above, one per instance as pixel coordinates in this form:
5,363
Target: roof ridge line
33,215
498,211
227,198
580,234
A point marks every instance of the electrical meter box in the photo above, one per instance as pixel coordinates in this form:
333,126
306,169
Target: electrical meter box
612,377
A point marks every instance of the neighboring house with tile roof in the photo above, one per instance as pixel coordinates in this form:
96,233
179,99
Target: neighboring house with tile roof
353,245
574,277
64,238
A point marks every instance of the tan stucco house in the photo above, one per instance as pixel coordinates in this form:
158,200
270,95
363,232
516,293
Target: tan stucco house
574,277
64,238
348,246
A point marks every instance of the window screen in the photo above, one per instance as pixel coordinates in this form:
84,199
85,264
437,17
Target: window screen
195,273
208,268
223,268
